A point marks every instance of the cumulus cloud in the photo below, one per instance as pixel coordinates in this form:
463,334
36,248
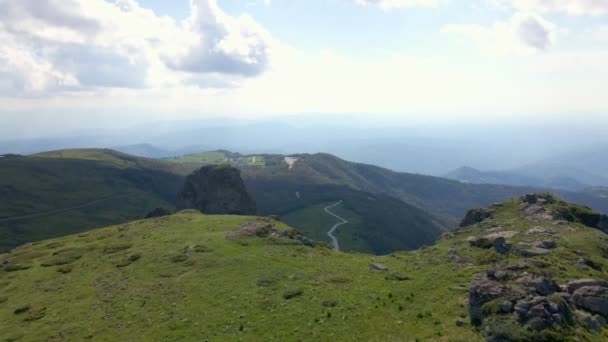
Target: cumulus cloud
522,34
87,45
224,44
572,7
389,4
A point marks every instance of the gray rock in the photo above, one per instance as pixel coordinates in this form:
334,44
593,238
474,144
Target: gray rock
459,322
501,246
506,307
216,189
574,285
541,285
537,263
378,267
547,244
515,267
590,322
592,298
541,230
534,251
501,275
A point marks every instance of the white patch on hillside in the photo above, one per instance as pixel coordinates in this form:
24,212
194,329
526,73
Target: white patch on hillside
291,161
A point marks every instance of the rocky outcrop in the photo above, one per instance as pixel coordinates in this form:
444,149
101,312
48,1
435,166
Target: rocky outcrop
216,190
534,303
593,299
265,228
474,216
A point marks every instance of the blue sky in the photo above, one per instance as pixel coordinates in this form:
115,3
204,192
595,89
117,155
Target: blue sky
88,62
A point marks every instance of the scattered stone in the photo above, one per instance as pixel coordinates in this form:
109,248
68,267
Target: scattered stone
547,244
584,262
541,285
541,230
537,263
534,251
378,267
251,229
574,285
506,307
591,322
515,267
501,246
592,298
508,234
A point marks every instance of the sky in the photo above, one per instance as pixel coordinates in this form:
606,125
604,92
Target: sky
71,64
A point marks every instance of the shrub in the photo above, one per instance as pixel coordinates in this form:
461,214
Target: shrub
65,269
200,248
179,258
266,282
63,257
22,309
330,303
117,248
10,267
292,294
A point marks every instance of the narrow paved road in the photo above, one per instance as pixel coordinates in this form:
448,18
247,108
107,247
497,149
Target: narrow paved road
59,211
330,233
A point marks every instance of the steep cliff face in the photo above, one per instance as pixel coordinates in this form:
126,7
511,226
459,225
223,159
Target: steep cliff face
216,190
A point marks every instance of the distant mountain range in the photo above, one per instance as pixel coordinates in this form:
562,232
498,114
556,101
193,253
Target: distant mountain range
570,171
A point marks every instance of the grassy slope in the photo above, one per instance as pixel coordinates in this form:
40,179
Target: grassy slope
235,289
57,180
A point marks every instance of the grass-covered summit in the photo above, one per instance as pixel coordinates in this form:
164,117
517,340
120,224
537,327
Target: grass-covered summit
193,277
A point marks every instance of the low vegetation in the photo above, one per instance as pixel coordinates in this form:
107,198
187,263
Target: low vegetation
196,277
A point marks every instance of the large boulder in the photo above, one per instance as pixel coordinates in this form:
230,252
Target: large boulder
218,190
592,298
574,285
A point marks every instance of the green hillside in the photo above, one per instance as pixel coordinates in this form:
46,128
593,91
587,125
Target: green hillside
219,157
59,193
437,195
192,277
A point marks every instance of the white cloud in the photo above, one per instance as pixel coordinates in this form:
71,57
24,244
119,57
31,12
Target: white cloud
88,45
572,7
524,33
390,4
224,44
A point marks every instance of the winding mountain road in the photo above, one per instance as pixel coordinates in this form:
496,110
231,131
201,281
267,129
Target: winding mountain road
330,233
